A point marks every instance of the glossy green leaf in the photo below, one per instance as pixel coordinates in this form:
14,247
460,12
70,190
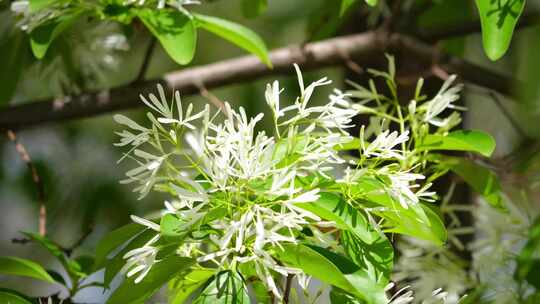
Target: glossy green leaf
332,208
174,30
113,240
254,8
42,36
372,2
462,140
172,228
333,269
162,272
418,220
12,297
227,287
22,267
498,19
181,288
481,179
71,266
238,34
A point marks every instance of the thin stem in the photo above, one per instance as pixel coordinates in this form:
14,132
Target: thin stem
288,285
507,115
146,59
35,178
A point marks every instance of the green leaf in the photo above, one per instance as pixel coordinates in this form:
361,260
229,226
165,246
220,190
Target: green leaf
332,208
227,287
12,297
43,35
372,2
162,272
347,4
333,269
182,287
22,267
113,240
528,261
174,30
338,296
254,8
172,228
480,178
462,140
36,5
238,34
418,220
12,50
376,258
72,267
498,19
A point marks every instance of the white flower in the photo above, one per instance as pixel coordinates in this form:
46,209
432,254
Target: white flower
442,101
140,260
384,143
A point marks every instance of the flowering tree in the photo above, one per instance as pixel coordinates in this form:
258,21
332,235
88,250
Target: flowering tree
346,201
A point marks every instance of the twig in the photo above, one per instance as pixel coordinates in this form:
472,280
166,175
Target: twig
146,59
69,250
35,178
507,114
288,285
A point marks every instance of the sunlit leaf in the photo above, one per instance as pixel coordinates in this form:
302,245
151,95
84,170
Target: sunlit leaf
42,36
227,287
333,269
181,288
498,19
113,240
174,30
462,140
12,297
162,272
235,33
22,267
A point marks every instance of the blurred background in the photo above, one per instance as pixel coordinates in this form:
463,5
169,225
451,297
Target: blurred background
78,162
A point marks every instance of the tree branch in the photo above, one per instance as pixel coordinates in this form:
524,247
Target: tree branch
361,48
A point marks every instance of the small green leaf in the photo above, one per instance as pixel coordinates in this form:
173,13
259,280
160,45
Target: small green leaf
346,5
12,297
333,269
498,19
36,5
72,267
480,178
331,207
372,2
113,240
172,228
181,288
25,268
162,272
462,140
227,287
174,30
235,33
42,36
254,8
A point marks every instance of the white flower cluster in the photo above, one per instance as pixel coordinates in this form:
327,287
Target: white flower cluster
237,191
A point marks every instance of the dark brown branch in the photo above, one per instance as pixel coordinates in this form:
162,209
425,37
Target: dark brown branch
470,27
361,48
146,59
21,150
